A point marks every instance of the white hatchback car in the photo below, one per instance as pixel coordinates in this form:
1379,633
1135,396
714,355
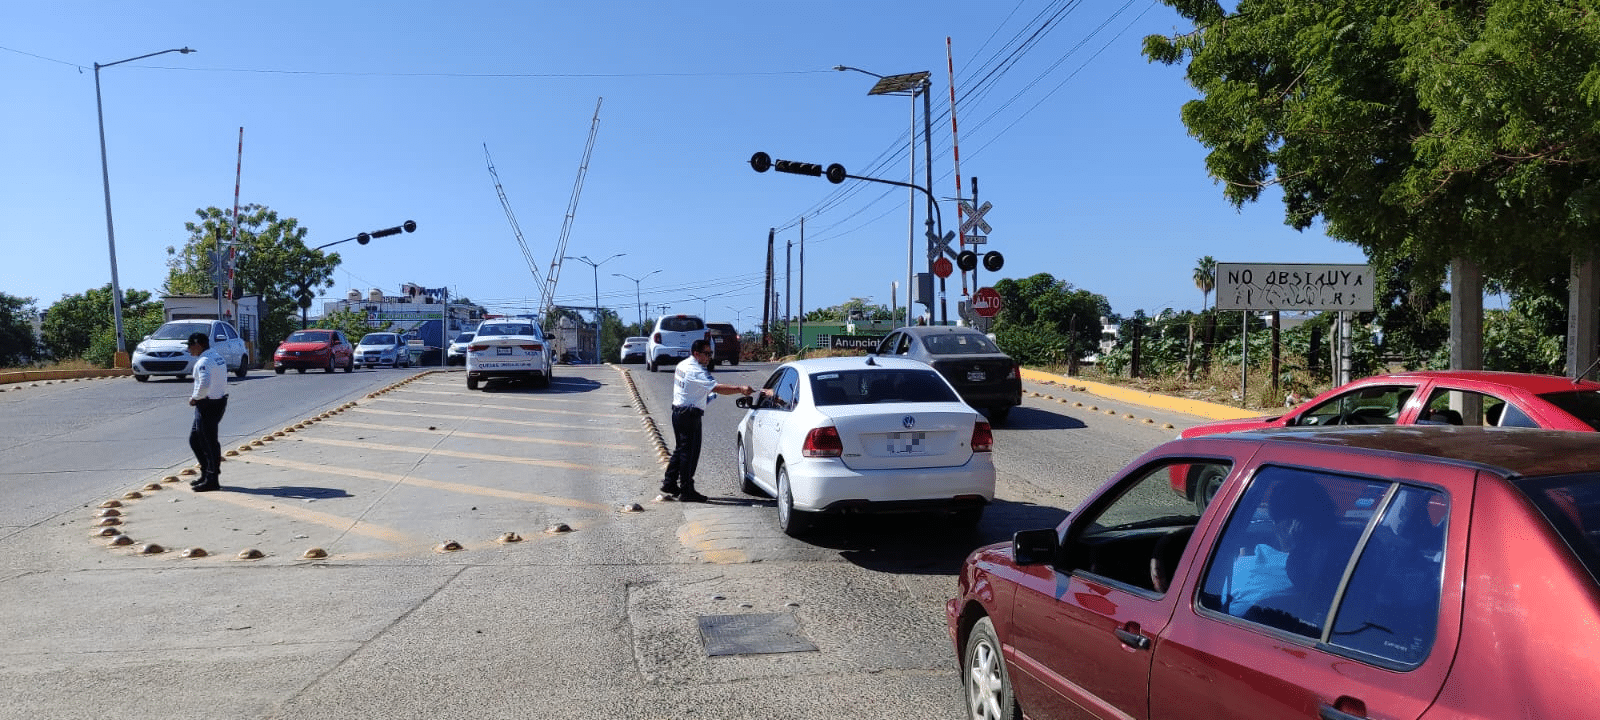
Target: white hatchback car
508,348
165,351
860,434
633,349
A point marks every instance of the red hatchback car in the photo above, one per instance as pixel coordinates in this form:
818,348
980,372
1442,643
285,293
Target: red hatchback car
312,349
1422,572
1441,397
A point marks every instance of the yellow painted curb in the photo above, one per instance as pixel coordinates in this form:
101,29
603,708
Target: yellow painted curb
1198,408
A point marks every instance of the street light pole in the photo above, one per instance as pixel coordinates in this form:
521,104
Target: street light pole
105,179
638,306
913,83
738,314
596,265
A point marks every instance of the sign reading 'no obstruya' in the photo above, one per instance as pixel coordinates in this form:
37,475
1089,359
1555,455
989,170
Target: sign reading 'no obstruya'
1250,286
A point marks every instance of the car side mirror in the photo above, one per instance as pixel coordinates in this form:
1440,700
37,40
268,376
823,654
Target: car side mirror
742,402
1035,547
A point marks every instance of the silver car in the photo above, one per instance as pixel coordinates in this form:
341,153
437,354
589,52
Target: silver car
382,349
457,352
165,351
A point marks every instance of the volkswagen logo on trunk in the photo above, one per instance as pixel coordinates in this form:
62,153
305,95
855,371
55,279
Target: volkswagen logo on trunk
909,422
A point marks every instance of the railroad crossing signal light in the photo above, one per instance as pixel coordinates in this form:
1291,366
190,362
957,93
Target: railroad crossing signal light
836,173
993,261
967,260
363,238
761,162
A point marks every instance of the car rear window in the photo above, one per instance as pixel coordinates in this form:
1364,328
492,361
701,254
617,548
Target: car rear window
960,344
865,387
507,329
682,324
1581,404
1572,505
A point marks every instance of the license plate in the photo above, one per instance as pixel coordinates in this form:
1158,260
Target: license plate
911,443
976,376
502,351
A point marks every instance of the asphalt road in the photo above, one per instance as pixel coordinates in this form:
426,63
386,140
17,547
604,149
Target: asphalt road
384,588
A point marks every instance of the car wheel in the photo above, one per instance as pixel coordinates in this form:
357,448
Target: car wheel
350,366
747,483
965,519
650,365
302,371
985,683
794,522
243,369
713,365
734,361
472,383
278,370
544,381
330,367
142,378
1204,482
999,414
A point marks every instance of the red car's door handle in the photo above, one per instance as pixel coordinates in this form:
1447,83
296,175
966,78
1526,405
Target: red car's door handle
1133,639
1329,712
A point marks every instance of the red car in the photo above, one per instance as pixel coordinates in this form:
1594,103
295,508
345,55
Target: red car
312,349
1422,572
1443,397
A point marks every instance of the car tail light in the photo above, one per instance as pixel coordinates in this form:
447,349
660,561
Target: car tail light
982,437
534,346
1015,372
823,442
656,338
478,347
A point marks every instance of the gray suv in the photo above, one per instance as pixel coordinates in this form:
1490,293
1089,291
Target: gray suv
671,338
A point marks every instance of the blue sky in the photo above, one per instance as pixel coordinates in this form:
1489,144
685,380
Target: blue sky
358,116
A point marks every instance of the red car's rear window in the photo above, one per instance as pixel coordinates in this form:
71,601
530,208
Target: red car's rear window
1581,404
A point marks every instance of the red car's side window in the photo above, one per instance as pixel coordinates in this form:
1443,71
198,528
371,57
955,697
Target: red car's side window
1284,561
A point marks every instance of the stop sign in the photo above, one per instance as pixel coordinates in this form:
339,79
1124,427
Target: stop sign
942,268
986,302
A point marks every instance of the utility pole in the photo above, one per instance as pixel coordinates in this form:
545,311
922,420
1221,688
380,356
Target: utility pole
766,297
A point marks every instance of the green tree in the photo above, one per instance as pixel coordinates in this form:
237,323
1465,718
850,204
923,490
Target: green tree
1412,128
17,344
841,312
71,323
1205,278
1045,320
352,323
271,261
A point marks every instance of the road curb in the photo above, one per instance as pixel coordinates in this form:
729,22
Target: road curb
1198,408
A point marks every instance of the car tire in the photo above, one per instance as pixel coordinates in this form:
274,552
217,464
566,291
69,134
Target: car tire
330,367
794,523
984,683
965,520
302,371
544,381
998,414
734,362
472,383
650,365
142,378
350,366
278,370
243,369
713,365
1204,482
747,483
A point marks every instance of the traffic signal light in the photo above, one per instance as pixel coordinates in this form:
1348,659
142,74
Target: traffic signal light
761,162
836,173
967,260
798,168
993,261
363,238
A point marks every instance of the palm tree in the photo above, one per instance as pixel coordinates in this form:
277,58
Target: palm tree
1205,278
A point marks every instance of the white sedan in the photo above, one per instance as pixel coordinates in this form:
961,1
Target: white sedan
509,348
864,434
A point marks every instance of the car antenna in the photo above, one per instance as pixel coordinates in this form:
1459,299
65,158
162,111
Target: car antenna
869,360
1585,373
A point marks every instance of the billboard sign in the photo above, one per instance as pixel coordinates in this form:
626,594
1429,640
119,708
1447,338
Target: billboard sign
1291,286
868,343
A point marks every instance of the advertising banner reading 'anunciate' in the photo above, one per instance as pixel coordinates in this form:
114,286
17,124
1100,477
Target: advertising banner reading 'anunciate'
1261,286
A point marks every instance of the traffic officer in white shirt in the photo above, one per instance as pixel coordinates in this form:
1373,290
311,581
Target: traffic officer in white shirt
210,400
693,389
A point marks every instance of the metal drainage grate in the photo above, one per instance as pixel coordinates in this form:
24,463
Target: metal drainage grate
752,634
